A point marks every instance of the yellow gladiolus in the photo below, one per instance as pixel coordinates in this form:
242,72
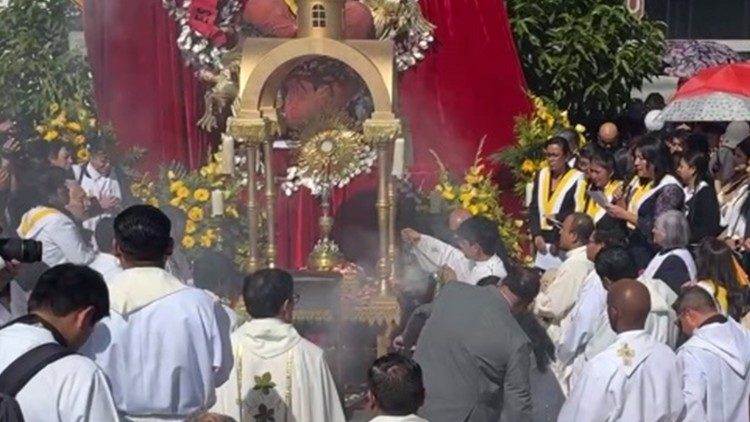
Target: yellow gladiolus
208,238
40,129
190,227
550,121
202,195
82,154
528,166
195,214
474,178
183,192
580,128
51,135
466,197
54,108
188,242
75,127
154,202
231,211
79,140
473,209
176,185
175,202
449,195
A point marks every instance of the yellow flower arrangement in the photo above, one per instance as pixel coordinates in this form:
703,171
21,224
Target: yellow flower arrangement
73,126
231,211
154,202
51,135
528,166
183,192
208,238
79,140
202,195
480,195
82,154
195,214
176,202
190,227
188,242
70,122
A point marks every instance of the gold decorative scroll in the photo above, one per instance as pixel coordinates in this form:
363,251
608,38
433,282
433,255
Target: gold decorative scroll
381,131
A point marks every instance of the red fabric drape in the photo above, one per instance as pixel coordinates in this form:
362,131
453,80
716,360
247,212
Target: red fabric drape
141,84
471,85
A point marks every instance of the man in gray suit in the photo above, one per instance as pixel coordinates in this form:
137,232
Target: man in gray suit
474,356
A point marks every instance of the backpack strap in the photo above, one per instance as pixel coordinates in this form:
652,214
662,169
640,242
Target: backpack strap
23,369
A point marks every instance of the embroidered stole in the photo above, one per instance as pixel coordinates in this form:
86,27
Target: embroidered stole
32,218
594,210
551,202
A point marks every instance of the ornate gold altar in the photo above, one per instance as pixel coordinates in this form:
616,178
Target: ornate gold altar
265,64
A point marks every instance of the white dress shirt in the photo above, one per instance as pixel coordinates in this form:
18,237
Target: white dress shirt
60,236
70,389
432,254
407,418
716,373
165,346
634,379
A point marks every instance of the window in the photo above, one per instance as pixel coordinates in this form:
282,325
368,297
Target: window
318,16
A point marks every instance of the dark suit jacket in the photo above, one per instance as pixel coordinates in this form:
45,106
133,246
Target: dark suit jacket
475,358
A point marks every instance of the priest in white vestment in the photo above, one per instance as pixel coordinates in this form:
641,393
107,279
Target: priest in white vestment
715,361
479,242
277,372
165,347
71,388
556,299
634,379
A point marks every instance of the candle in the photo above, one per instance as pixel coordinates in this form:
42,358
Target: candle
398,158
217,203
227,155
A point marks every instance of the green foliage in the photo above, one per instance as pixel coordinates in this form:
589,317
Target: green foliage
585,55
36,67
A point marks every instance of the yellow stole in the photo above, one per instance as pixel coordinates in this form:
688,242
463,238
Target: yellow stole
550,202
593,209
30,219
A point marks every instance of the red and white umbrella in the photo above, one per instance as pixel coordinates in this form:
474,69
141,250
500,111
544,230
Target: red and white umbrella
717,94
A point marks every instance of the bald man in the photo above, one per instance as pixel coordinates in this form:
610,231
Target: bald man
634,379
715,360
608,136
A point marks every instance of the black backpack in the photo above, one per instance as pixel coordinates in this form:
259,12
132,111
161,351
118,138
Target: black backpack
19,372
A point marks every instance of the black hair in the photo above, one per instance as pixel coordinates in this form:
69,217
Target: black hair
615,264
654,101
105,234
265,292
656,152
623,161
571,136
143,233
67,288
490,280
97,144
396,383
215,271
715,262
524,283
583,226
541,343
610,236
559,141
51,188
694,141
482,231
603,159
699,161
54,147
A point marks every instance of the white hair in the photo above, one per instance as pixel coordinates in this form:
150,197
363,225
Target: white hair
676,229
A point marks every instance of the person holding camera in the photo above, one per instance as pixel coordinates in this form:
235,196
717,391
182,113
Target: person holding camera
51,222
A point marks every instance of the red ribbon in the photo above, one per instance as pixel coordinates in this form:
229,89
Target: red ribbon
203,16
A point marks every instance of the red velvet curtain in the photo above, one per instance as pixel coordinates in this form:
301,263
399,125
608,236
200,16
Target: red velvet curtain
470,86
142,86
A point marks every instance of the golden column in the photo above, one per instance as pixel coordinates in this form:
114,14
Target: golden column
381,133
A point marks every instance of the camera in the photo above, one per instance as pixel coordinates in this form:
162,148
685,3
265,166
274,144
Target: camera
26,251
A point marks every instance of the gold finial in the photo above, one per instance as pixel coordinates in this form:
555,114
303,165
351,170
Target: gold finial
320,18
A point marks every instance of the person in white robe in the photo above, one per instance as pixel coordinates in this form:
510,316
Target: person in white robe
71,388
634,379
478,240
50,223
396,390
556,299
105,262
13,298
165,347
276,372
97,178
715,360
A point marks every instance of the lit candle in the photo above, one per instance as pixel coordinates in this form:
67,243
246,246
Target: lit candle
217,203
227,155
398,158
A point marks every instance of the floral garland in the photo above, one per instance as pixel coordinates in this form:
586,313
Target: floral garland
194,193
478,194
74,124
532,131
198,49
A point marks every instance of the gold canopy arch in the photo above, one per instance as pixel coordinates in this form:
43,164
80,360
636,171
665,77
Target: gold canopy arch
265,64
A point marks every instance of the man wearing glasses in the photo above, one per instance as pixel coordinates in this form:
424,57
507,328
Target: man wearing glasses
277,373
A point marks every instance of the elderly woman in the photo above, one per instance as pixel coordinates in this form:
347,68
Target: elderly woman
652,192
673,264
